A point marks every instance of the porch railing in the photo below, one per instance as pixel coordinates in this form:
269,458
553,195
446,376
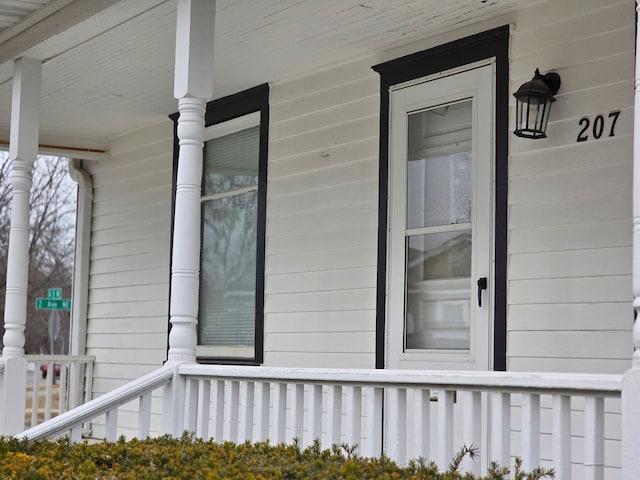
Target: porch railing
56,384
107,406
568,421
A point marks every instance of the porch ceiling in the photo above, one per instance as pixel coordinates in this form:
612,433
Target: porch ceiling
108,65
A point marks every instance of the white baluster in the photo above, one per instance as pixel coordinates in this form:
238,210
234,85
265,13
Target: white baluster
421,422
49,391
35,395
374,422
562,436
334,414
88,392
296,411
500,448
353,433
314,414
76,434
204,405
191,405
62,396
231,411
246,415
445,427
397,425
472,429
280,412
144,415
262,412
218,408
111,425
593,438
530,437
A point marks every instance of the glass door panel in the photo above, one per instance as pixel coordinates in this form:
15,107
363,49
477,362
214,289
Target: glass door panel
438,291
439,177
439,228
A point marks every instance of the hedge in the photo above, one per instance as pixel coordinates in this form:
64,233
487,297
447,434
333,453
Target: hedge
191,458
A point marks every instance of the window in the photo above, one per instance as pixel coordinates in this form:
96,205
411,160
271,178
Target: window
233,200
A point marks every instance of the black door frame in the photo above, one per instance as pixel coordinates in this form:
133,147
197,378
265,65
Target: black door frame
490,44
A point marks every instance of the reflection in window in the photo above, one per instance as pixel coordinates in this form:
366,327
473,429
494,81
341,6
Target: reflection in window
438,236
229,240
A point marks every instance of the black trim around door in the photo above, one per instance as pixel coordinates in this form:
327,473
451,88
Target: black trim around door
255,99
490,44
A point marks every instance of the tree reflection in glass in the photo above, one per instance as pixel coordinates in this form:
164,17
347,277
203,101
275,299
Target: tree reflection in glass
229,240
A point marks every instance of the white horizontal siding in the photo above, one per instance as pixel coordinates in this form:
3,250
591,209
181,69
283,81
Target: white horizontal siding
311,322
339,279
322,219
569,264
129,266
570,316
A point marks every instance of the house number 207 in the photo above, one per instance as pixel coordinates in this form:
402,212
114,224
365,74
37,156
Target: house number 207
598,127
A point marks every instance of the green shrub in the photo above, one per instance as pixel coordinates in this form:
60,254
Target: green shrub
191,458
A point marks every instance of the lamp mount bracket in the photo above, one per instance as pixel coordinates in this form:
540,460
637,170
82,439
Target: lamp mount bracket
550,79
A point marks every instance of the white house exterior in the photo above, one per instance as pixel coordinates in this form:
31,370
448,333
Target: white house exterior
350,268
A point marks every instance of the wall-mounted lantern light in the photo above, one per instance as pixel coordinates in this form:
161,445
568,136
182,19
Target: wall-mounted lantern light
533,103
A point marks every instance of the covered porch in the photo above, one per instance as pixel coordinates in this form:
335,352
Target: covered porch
585,425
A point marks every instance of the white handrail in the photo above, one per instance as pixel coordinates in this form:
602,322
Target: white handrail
558,383
101,405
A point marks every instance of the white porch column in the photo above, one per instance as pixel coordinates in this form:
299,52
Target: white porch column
193,86
631,379
25,119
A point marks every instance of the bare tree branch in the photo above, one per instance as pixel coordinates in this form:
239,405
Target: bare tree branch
51,245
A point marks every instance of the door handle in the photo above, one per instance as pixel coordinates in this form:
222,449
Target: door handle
482,285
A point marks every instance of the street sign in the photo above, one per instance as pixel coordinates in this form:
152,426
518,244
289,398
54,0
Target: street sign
49,304
54,293
54,301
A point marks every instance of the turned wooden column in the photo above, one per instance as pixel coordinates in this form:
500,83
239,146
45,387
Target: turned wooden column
23,150
631,379
193,87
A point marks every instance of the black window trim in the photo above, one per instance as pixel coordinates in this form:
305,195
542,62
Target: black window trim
253,100
490,44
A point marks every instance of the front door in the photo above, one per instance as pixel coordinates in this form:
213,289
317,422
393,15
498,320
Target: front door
440,262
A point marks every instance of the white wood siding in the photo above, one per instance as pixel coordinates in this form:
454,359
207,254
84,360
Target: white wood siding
569,266
569,223
322,218
129,269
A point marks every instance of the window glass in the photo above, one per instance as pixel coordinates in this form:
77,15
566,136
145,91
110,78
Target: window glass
228,258
438,284
228,271
439,229
439,169
231,162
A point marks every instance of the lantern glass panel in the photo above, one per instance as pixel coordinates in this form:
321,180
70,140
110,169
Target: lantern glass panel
532,114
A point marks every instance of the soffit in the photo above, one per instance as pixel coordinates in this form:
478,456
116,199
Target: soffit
13,11
113,72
